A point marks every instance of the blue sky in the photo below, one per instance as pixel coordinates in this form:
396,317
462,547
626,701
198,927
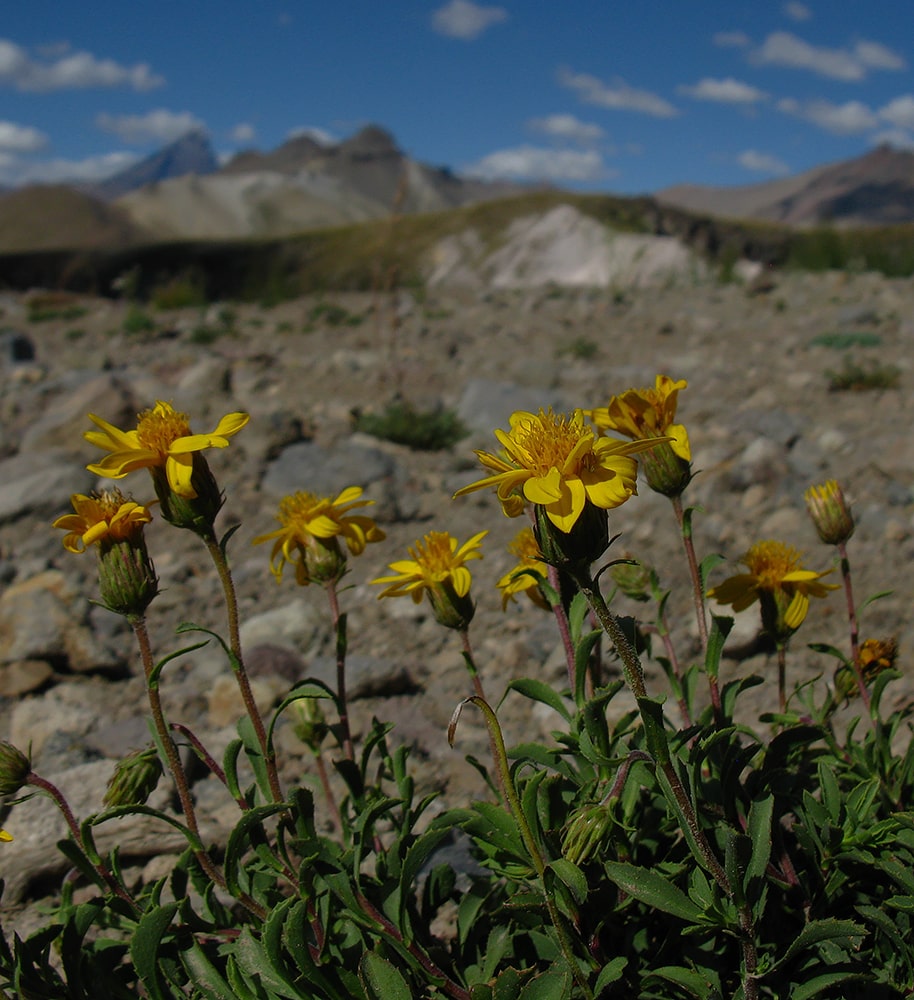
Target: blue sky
593,94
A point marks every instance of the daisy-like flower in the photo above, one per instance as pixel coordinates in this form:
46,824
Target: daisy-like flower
559,464
127,578
99,517
311,527
643,414
437,567
778,581
523,579
162,440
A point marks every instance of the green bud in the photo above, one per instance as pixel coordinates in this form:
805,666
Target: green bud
450,609
197,513
589,831
15,768
134,779
126,576
575,549
310,723
665,471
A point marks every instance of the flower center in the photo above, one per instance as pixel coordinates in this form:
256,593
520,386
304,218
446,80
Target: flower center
525,547
771,561
108,503
435,557
299,508
548,440
157,429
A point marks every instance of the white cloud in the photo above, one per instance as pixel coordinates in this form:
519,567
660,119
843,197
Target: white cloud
731,40
466,20
899,112
727,91
21,138
93,168
618,95
781,48
536,163
762,163
850,118
896,137
568,128
243,132
159,125
797,11
71,71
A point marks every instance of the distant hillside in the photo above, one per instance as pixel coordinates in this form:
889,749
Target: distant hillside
191,154
876,189
52,217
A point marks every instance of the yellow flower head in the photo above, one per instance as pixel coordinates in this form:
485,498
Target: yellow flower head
776,579
521,579
102,517
437,567
5,837
162,439
559,464
647,413
311,527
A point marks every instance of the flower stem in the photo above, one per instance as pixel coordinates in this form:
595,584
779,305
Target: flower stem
36,781
339,629
231,604
698,597
561,619
470,663
852,621
782,676
173,759
514,807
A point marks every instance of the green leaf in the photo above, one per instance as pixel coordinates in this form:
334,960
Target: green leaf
205,975
610,973
694,983
652,888
153,679
717,637
758,828
706,565
819,984
539,691
572,876
582,650
304,689
654,729
555,984
145,944
381,979
240,841
822,930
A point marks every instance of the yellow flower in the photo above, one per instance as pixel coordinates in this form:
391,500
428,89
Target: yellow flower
437,567
103,516
5,837
647,413
557,463
521,579
162,439
311,527
779,582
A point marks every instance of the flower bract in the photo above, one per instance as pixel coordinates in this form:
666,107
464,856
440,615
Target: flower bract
309,533
775,575
557,462
105,516
162,439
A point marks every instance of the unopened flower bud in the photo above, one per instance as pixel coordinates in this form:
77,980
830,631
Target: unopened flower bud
665,471
127,578
449,608
134,779
589,831
15,768
632,578
323,561
310,723
830,512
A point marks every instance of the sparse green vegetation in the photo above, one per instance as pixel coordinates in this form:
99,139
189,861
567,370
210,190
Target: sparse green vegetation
47,306
581,349
180,292
138,320
332,314
77,333
842,341
421,430
205,334
855,377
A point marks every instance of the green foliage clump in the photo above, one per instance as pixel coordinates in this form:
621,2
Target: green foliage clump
331,314
856,377
138,320
48,306
422,430
180,292
581,349
842,340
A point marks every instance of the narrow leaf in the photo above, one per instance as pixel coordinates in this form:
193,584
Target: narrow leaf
381,979
652,888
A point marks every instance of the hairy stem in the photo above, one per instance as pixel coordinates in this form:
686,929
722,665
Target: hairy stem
339,630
